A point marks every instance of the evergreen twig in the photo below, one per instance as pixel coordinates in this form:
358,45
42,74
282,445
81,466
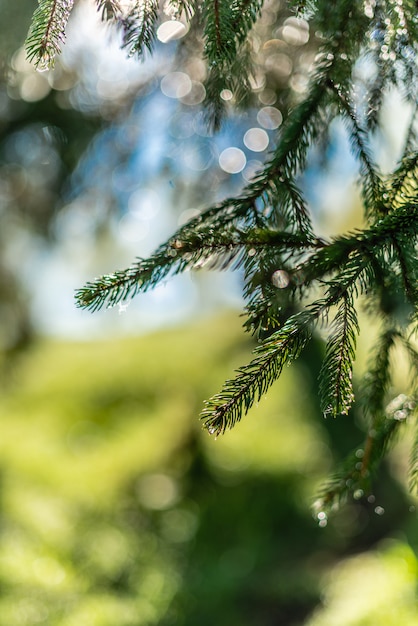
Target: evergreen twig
335,379
47,31
138,27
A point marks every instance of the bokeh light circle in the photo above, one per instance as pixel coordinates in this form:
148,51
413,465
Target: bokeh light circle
280,279
226,94
132,228
232,160
196,95
269,117
256,139
171,30
176,85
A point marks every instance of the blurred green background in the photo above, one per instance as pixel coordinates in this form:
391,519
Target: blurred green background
116,509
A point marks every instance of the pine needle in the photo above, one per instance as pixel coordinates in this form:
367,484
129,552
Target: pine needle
47,32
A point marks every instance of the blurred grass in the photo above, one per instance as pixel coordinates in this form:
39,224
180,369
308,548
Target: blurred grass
118,510
97,413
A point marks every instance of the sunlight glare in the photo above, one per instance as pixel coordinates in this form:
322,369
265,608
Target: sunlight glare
171,30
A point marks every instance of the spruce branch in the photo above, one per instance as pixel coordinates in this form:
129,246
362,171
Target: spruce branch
293,208
353,477
413,464
377,379
299,131
402,182
373,192
108,9
267,232
176,8
305,125
218,31
118,286
335,378
235,77
411,138
355,472
385,420
226,29
226,24
407,259
363,244
196,242
410,404
238,395
47,31
245,14
188,249
138,27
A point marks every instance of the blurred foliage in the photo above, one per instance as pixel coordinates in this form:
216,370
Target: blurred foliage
374,588
41,140
112,515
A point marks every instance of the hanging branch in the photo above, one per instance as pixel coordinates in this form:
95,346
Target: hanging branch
411,405
407,258
237,396
219,33
384,423
298,132
403,179
354,473
108,9
336,375
351,478
373,192
47,32
413,464
176,8
226,29
245,14
138,27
